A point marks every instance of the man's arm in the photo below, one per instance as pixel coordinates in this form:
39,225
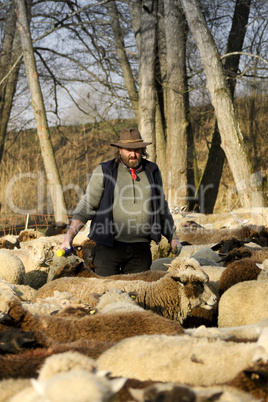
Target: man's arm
74,228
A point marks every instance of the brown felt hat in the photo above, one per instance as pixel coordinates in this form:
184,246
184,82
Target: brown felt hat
130,138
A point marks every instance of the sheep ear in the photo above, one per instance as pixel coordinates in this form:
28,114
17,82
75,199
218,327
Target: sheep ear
181,279
167,265
39,386
260,266
117,384
137,394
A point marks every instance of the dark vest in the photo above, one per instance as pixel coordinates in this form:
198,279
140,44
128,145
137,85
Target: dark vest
101,229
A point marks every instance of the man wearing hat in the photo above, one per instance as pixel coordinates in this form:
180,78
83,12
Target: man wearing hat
127,206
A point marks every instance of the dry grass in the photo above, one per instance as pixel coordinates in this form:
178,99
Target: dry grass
79,149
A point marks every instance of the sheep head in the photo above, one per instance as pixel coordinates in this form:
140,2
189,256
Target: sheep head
194,292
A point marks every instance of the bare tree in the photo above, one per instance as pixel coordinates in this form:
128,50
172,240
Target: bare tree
176,100
52,174
147,100
232,139
213,170
10,60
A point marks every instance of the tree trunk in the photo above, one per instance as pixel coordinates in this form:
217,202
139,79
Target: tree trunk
52,174
176,104
147,101
9,68
121,53
135,15
232,140
209,184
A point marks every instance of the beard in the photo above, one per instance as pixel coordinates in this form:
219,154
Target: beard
131,162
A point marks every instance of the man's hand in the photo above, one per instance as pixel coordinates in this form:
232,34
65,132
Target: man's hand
176,246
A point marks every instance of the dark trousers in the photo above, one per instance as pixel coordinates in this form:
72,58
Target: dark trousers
122,258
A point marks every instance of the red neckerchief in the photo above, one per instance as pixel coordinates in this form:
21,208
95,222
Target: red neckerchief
133,173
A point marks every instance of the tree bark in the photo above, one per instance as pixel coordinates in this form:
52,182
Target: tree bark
121,53
147,101
213,170
51,169
232,140
9,68
176,104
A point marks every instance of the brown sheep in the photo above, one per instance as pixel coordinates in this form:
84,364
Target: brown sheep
4,243
213,236
238,271
253,380
29,234
81,271
56,228
85,251
111,327
245,252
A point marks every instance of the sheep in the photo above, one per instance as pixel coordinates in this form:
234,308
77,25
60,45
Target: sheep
189,250
253,381
77,385
9,387
27,292
174,296
207,253
117,301
215,236
175,392
28,362
56,228
35,279
245,252
28,235
63,362
85,251
13,340
11,267
105,327
52,304
184,359
36,254
160,264
59,262
4,243
81,271
238,271
243,304
263,275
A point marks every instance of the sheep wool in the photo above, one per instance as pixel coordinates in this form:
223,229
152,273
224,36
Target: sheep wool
11,268
182,359
243,304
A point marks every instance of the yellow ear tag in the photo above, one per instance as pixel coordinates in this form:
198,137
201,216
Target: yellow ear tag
92,311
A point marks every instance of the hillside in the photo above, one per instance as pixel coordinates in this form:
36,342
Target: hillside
79,149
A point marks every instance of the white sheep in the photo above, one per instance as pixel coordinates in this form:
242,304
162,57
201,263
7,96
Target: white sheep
36,254
9,387
11,267
243,304
59,301
174,296
116,301
63,362
263,275
183,359
75,385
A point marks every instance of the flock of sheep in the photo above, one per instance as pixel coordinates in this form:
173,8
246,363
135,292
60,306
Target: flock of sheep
193,328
